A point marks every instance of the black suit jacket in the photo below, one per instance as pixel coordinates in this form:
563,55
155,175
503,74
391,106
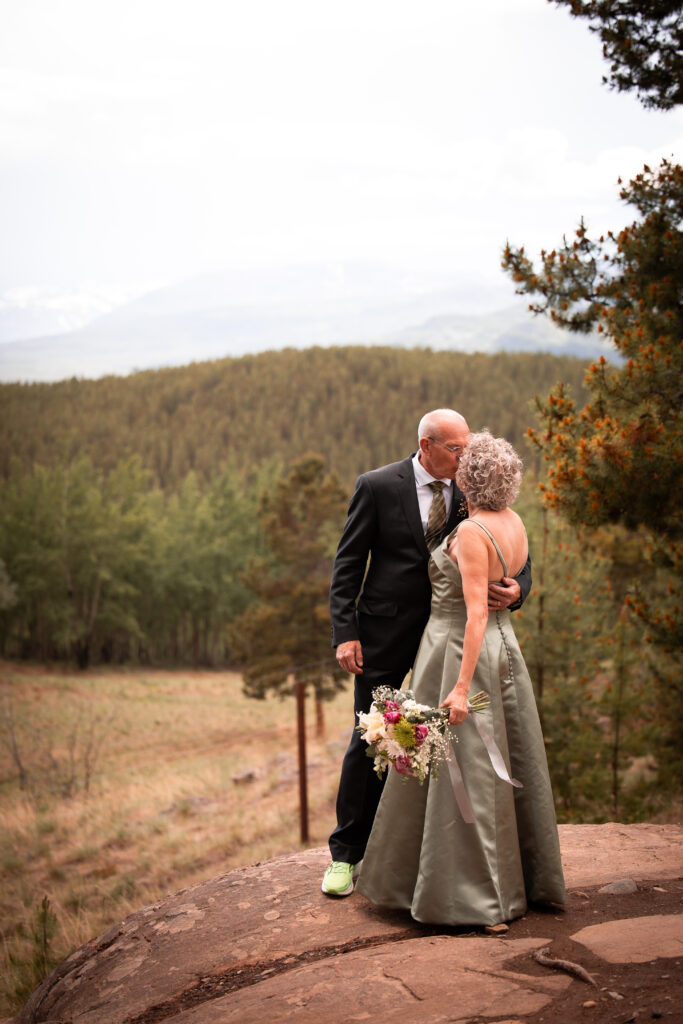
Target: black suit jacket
384,523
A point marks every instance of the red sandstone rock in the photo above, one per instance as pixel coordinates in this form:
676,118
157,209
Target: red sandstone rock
645,938
263,943
597,854
427,979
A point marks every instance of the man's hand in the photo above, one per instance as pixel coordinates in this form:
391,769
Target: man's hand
350,656
503,596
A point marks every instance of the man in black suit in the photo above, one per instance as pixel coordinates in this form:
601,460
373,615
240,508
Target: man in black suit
391,519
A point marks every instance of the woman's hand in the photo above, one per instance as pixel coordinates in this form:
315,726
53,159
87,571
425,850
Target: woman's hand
456,704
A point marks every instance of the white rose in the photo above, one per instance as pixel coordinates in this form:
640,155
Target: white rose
373,725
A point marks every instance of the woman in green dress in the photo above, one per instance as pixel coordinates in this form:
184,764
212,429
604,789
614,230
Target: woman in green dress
468,847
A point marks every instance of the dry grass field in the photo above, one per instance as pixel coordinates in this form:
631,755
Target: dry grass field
135,784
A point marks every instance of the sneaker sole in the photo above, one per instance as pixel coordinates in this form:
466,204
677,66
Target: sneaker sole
345,892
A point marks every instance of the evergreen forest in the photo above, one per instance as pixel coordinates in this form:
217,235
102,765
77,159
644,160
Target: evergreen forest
157,520
271,407
130,505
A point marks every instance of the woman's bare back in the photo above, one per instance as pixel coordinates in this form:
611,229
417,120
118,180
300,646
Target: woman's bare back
508,530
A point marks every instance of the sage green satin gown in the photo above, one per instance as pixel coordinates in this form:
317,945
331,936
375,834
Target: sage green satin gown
422,856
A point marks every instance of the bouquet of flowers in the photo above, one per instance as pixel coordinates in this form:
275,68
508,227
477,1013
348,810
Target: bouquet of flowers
412,737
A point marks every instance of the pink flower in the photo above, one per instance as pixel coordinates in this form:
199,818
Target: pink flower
421,732
392,717
391,705
402,765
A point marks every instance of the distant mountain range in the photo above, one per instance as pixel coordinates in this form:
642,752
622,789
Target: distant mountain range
237,313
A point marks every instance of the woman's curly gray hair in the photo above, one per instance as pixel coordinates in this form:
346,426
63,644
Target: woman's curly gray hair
490,472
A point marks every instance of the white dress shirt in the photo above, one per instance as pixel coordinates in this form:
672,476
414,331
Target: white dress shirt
424,492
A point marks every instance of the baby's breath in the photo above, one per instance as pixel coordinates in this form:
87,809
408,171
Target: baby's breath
413,738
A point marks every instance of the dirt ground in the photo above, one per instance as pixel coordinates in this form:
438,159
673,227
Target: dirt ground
649,991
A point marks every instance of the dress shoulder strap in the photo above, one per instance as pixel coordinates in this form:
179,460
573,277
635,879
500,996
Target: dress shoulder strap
493,541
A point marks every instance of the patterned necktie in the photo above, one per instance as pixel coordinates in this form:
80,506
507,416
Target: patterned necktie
437,515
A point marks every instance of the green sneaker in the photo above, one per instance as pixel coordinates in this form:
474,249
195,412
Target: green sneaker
338,879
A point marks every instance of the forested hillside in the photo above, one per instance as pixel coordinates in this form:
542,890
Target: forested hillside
140,517
357,406
130,506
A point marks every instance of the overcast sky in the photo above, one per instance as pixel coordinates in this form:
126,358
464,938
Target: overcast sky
146,141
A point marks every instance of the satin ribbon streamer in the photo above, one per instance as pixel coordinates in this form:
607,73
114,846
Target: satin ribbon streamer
497,762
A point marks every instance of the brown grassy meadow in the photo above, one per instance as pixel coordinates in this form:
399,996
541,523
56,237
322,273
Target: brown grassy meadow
186,778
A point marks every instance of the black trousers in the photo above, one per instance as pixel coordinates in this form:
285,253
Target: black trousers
389,649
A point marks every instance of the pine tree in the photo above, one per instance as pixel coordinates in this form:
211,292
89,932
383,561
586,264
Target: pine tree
643,42
284,638
592,685
619,459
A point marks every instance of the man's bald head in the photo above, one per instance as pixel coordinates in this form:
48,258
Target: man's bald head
441,421
443,435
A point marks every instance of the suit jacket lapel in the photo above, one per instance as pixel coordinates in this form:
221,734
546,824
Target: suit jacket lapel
408,495
458,510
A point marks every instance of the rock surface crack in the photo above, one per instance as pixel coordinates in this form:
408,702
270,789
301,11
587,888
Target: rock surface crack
404,985
216,985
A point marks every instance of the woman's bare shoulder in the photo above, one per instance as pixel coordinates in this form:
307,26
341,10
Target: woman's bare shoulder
470,537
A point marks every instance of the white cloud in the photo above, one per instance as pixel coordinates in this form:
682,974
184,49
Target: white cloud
150,140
